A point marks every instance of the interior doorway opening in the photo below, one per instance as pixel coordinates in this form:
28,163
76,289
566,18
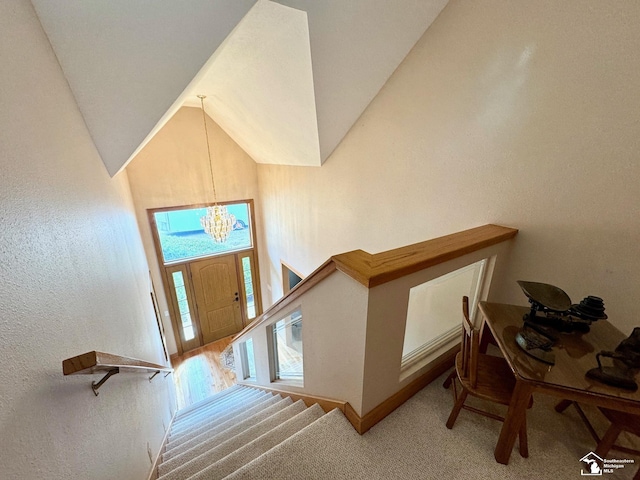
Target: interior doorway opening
290,278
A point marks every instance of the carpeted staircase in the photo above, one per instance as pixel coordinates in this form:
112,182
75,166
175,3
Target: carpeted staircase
245,434
220,435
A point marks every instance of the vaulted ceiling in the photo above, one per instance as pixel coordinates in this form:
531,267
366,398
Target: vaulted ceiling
286,80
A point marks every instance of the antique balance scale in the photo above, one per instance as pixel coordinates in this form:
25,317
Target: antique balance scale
552,312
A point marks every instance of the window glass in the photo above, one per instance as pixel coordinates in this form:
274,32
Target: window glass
248,361
182,236
434,311
183,306
248,287
287,346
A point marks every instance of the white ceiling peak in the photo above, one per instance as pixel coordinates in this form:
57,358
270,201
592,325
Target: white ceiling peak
287,84
259,87
127,61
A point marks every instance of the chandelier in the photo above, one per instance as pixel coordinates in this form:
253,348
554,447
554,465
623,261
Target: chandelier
217,222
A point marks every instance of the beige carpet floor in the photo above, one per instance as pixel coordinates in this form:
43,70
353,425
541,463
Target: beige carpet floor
413,443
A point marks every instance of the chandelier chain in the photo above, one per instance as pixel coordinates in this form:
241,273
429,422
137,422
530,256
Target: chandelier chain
206,134
217,222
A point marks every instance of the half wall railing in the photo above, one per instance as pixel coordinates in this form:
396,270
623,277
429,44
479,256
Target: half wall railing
372,329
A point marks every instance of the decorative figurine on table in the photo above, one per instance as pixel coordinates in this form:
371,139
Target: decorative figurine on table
626,363
551,309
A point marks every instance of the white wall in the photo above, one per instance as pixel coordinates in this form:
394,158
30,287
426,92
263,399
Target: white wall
173,170
74,279
333,336
353,336
127,62
386,324
434,306
523,114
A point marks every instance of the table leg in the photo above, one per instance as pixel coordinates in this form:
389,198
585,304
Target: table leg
563,405
486,337
515,415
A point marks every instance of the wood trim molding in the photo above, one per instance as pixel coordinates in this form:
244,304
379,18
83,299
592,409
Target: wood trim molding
163,268
327,404
153,474
363,424
92,362
304,286
373,270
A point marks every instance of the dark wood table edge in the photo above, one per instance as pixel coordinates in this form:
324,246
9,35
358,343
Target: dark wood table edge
525,388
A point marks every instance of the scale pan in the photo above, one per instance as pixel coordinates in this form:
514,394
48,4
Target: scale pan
548,296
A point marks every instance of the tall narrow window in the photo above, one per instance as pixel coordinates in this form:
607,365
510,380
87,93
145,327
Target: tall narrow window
287,347
248,360
183,306
248,288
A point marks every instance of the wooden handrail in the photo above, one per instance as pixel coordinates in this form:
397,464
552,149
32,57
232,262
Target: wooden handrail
305,285
375,269
99,362
95,362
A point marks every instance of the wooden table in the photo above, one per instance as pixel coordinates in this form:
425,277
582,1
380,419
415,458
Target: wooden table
575,355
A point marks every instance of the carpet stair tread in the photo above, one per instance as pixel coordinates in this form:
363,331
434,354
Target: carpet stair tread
330,436
220,417
259,446
222,422
210,411
214,449
186,411
220,434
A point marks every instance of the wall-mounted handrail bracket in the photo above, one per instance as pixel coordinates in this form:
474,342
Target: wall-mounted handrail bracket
95,386
94,362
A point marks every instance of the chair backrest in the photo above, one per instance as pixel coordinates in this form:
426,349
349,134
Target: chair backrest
470,345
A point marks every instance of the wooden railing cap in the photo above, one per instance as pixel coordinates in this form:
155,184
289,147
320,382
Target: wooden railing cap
375,269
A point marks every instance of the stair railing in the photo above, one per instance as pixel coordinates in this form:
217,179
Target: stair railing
354,311
96,362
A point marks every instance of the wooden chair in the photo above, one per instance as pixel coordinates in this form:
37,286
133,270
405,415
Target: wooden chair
483,376
486,338
620,422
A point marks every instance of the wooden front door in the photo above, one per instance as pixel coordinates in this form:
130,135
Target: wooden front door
217,293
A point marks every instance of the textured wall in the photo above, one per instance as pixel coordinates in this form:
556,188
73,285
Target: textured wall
173,170
386,325
524,114
74,279
333,341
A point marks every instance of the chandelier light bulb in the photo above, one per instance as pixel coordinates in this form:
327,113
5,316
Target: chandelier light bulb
218,223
